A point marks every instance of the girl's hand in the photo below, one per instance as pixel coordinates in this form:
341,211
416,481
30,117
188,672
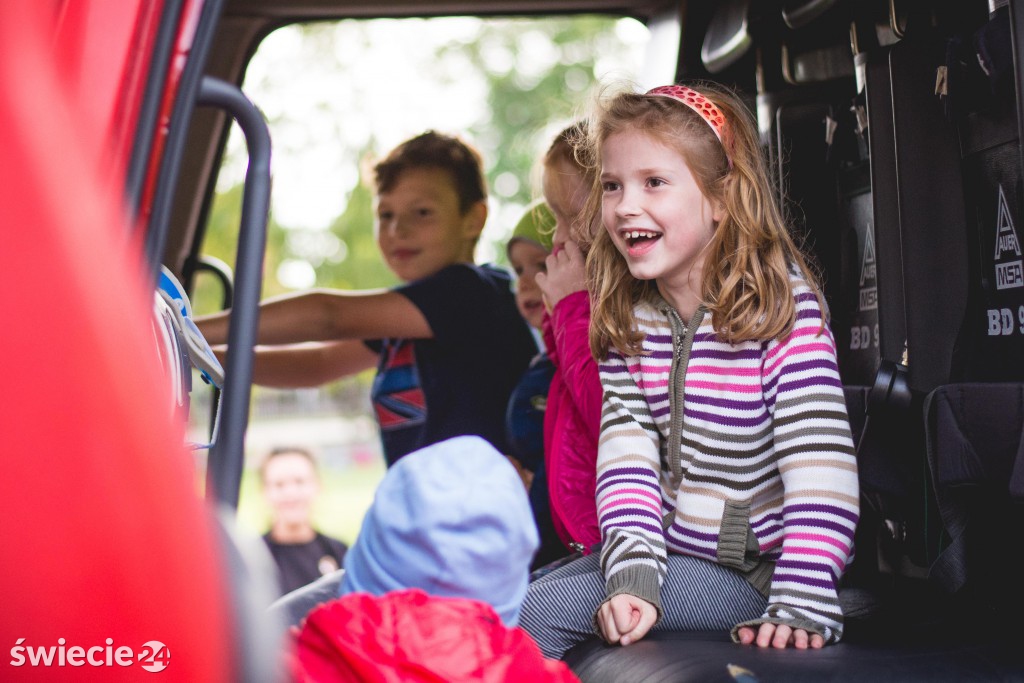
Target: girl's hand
780,636
566,273
625,619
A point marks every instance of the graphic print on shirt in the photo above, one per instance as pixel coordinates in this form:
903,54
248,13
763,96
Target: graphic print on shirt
397,391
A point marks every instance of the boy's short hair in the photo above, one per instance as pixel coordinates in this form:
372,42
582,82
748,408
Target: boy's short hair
286,450
440,151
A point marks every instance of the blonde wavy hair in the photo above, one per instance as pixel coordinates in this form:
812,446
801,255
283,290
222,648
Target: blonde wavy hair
567,147
746,279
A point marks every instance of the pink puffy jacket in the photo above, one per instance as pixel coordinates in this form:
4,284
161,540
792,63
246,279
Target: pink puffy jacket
411,637
572,422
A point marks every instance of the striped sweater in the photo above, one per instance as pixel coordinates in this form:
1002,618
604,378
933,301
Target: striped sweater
757,473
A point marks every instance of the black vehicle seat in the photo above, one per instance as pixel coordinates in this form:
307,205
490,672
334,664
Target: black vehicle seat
976,461
938,245
919,231
974,422
883,650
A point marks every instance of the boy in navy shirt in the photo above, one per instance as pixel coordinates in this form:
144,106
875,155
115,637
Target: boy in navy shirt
449,344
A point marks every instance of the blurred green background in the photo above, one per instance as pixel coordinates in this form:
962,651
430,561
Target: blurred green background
345,496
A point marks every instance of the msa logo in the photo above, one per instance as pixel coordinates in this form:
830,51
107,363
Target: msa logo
1009,274
868,295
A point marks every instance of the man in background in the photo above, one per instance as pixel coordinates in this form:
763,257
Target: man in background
290,485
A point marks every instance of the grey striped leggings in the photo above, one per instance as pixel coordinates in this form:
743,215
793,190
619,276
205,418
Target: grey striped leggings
696,595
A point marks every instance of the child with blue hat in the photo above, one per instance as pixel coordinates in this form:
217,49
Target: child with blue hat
451,519
434,582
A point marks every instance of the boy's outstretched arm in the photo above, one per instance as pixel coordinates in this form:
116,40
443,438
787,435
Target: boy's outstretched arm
291,366
325,315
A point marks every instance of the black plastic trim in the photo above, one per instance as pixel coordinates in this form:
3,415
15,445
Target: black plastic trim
181,117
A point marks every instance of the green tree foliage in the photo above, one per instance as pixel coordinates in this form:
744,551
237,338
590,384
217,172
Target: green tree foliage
221,242
539,74
362,267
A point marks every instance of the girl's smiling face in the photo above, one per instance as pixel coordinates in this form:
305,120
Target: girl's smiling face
656,215
527,259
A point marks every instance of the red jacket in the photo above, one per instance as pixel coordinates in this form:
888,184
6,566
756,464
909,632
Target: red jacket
408,635
572,421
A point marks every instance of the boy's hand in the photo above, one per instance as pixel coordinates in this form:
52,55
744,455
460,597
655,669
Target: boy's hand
780,636
625,619
566,273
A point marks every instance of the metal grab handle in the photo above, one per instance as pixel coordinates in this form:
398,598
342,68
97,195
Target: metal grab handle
227,455
220,270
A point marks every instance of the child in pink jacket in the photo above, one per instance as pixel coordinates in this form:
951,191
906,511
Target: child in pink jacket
573,415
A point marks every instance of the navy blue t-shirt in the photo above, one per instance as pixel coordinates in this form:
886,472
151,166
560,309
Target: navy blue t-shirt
458,382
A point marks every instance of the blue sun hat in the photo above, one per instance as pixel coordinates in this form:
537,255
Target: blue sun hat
537,225
452,519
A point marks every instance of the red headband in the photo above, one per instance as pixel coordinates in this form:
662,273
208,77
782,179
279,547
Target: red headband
698,103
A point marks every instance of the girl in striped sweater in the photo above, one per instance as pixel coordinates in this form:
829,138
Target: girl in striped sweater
727,487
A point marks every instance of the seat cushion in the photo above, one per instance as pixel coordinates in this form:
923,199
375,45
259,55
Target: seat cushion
866,654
